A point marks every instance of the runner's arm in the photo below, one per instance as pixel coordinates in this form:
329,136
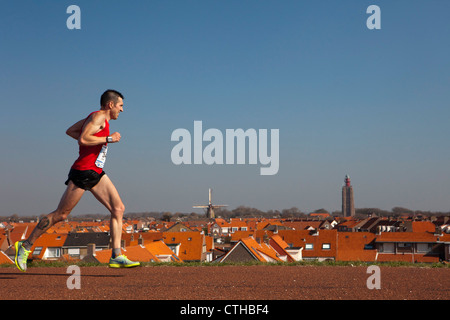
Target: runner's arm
75,130
93,125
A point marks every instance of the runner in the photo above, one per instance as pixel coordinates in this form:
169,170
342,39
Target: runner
87,173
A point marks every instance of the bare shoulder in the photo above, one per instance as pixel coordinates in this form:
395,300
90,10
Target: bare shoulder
97,119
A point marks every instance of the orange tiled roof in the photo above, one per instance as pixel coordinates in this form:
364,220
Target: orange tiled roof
221,222
283,244
252,224
237,223
103,256
303,225
260,251
279,245
356,255
48,240
351,246
191,248
21,231
139,253
349,223
269,222
132,238
406,237
237,235
445,237
299,238
4,259
159,249
209,243
423,226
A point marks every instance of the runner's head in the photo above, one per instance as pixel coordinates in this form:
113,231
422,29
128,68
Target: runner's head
112,100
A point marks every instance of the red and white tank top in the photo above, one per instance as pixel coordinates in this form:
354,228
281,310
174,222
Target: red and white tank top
93,157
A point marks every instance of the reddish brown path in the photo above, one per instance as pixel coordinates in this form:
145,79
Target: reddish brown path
226,283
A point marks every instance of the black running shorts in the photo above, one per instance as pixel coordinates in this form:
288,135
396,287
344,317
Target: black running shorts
84,179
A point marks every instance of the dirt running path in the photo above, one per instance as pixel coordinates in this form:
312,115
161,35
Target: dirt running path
226,283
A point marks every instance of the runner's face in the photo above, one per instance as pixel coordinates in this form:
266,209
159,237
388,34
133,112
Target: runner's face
117,108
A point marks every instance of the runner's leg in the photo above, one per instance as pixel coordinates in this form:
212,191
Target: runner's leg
107,194
68,201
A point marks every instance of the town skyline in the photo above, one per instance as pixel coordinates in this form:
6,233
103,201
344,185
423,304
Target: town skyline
347,209
325,238
245,212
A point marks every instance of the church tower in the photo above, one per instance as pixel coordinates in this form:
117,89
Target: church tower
348,205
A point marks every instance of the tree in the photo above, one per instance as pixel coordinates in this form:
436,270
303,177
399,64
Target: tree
291,213
243,211
166,216
398,211
322,210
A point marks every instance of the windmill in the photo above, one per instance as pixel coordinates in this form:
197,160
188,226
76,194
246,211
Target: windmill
210,207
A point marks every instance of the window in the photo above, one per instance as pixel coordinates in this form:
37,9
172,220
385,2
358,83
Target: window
309,246
424,247
387,248
326,246
74,251
37,251
53,252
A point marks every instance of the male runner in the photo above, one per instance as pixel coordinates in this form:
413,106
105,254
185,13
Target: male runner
87,173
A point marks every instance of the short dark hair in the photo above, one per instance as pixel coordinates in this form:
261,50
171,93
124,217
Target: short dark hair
110,95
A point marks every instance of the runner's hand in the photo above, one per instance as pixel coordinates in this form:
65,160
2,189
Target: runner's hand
115,137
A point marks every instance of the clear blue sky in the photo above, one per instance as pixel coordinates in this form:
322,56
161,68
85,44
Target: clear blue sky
373,104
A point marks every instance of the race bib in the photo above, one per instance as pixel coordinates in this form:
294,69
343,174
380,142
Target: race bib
100,162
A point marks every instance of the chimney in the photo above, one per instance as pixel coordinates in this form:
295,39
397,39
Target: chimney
140,240
438,231
378,230
90,255
266,238
91,249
